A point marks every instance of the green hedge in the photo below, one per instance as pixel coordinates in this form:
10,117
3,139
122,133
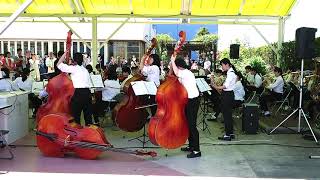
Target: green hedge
263,57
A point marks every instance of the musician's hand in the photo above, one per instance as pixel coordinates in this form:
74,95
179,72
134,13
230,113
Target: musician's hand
173,57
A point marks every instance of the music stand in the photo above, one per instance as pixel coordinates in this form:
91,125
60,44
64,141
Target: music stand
204,106
143,88
299,109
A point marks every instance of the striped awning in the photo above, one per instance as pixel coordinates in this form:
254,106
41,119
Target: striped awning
149,8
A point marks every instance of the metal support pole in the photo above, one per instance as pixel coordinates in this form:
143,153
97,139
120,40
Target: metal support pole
94,42
265,39
114,32
15,15
280,39
74,32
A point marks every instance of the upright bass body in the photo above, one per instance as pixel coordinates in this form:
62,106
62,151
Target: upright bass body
169,128
60,90
125,114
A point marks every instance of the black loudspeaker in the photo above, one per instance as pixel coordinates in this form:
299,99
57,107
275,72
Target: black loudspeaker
305,45
250,118
234,51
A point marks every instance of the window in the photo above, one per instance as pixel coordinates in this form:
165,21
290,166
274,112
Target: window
61,44
39,51
46,47
5,47
87,48
74,47
120,49
32,46
55,48
81,47
25,46
133,49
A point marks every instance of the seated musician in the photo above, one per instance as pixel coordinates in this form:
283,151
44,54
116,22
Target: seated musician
187,79
81,99
257,82
110,90
5,83
314,105
249,76
215,96
275,94
126,73
24,83
238,91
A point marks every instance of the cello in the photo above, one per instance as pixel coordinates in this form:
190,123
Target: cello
169,128
58,134
126,114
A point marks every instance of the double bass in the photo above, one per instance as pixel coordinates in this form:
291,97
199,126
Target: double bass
126,114
169,128
58,134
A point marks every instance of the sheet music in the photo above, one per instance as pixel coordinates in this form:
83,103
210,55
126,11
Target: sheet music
203,86
37,87
151,87
144,88
96,81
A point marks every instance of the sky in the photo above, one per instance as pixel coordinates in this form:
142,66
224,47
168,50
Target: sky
304,14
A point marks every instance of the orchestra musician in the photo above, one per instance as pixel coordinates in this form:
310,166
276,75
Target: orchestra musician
275,94
227,100
215,96
187,79
81,100
152,71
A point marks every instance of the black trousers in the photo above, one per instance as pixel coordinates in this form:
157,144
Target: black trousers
81,101
227,103
264,99
191,111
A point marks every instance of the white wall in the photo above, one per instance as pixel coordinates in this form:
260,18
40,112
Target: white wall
303,14
23,30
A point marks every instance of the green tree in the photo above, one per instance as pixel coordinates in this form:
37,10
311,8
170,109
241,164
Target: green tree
163,40
202,31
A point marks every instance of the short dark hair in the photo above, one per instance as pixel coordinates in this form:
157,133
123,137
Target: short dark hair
89,68
126,69
60,53
180,62
277,69
218,71
19,49
78,58
156,59
6,72
112,74
225,61
248,67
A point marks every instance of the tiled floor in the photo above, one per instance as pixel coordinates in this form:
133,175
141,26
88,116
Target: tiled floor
254,156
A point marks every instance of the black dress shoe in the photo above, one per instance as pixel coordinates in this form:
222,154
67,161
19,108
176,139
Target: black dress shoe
194,154
225,138
186,149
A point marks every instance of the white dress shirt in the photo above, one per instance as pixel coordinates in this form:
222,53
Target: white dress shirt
239,92
79,75
25,85
34,68
188,80
110,90
277,86
7,85
152,73
230,80
250,78
257,81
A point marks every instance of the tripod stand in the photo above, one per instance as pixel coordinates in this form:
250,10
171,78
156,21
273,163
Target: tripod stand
144,135
299,109
204,107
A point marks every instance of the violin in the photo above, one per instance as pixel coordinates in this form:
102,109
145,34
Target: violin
126,114
169,128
